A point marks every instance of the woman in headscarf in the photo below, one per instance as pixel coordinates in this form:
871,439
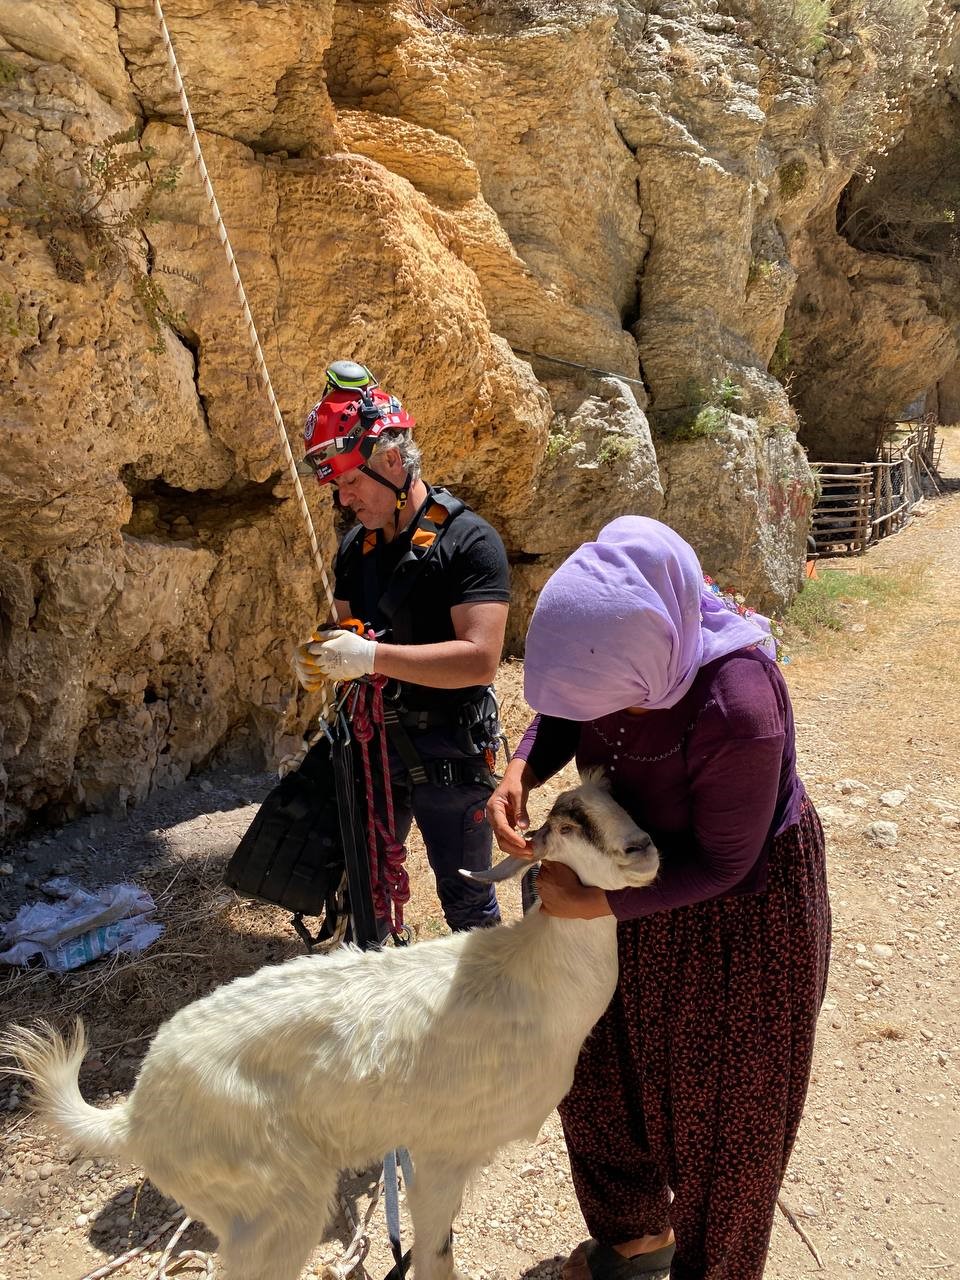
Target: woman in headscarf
689,1090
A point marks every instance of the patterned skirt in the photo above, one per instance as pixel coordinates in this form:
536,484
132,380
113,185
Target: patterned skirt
689,1090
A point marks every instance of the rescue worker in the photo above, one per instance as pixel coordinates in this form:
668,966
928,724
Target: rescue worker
430,579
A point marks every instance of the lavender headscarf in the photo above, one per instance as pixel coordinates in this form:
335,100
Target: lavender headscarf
627,621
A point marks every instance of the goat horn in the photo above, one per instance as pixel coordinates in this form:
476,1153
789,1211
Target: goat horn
502,871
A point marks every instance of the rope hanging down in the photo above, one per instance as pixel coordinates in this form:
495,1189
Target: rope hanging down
262,371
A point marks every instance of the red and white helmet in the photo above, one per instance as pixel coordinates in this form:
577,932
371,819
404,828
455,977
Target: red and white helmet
342,429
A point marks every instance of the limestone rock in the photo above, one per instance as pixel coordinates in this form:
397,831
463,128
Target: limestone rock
882,834
740,498
600,463
506,210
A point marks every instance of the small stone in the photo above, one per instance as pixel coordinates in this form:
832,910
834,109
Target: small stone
834,815
47,1170
882,950
892,799
882,834
950,820
846,785
927,1035
6,868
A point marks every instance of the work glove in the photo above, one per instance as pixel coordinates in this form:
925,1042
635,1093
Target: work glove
305,666
341,655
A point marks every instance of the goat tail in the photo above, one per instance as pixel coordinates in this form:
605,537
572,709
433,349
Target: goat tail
51,1064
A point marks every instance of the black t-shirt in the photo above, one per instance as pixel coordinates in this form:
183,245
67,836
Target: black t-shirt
467,565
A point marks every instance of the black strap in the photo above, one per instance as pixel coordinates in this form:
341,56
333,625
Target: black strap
363,917
391,1204
383,606
400,741
410,566
459,772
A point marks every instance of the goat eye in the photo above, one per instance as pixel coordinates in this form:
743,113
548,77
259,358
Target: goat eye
566,828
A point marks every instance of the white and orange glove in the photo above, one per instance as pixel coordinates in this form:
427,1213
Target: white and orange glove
305,665
333,655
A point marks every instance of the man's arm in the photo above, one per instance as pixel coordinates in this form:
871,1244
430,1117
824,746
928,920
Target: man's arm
469,659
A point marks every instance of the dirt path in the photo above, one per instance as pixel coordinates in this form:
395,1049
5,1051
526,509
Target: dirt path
874,1179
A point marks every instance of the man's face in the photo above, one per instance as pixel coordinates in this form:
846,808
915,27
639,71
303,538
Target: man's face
371,502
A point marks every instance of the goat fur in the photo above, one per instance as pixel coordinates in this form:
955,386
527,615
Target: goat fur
252,1099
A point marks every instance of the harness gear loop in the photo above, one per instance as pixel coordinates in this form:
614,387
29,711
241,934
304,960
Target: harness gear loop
388,871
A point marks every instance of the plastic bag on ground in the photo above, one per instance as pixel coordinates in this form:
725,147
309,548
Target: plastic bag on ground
81,927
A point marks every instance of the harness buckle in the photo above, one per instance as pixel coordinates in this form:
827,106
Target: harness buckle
446,773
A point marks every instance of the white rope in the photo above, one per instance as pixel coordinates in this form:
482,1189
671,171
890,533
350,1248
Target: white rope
166,1264
241,295
359,1246
122,1259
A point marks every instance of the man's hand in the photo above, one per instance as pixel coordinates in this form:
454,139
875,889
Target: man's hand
340,655
305,666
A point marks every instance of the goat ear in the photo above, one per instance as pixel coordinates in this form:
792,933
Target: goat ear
595,777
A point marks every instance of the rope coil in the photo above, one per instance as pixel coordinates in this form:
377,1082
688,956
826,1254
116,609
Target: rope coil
388,873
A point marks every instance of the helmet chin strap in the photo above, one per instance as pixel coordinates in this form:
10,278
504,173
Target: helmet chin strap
400,492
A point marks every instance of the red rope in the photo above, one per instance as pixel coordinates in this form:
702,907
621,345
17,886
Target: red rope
388,873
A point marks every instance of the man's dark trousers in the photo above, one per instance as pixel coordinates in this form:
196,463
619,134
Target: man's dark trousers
452,821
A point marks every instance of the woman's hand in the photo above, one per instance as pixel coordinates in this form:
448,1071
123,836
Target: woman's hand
507,809
563,894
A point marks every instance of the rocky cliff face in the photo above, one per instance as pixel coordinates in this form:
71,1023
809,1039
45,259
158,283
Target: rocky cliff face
476,199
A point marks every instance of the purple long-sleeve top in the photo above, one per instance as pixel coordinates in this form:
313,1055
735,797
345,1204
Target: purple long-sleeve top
712,779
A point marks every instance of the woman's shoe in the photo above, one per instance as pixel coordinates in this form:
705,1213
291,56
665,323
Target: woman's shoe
603,1262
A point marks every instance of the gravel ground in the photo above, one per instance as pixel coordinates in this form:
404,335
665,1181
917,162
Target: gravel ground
873,1183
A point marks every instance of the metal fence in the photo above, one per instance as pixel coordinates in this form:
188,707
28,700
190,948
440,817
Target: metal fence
861,502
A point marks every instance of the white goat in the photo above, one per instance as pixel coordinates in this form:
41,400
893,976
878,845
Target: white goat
252,1099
